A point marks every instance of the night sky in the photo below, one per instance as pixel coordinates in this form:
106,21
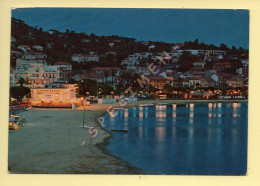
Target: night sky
169,25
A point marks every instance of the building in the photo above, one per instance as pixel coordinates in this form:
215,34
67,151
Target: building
185,82
61,96
101,70
84,58
65,70
157,81
224,76
198,71
242,71
131,60
191,82
111,78
219,54
23,63
143,70
40,55
209,73
245,63
52,32
13,39
94,58
207,83
111,44
38,47
234,83
96,77
171,80
220,67
12,77
16,54
195,52
26,49
194,82
151,46
40,75
198,64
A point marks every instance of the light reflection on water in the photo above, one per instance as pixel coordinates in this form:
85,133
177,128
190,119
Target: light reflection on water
183,139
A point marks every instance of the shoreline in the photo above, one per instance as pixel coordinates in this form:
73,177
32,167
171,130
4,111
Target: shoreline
59,136
102,145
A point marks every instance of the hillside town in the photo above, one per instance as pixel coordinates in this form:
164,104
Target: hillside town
71,67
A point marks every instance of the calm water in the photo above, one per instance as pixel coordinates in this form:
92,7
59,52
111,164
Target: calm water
183,139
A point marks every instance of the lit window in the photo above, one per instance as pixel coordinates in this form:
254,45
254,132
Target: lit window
56,96
39,96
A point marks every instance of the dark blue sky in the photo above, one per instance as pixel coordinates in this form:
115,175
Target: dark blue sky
169,25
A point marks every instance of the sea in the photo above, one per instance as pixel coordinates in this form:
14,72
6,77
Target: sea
182,139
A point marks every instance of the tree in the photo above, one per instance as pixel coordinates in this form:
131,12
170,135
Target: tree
105,89
87,86
22,81
126,76
113,73
150,89
19,92
106,74
186,60
223,47
168,88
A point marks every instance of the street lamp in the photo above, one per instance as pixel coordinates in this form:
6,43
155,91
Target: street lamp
97,87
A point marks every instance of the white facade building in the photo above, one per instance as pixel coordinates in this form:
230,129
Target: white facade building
41,75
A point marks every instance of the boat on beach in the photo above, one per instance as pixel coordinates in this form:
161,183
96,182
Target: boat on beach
16,122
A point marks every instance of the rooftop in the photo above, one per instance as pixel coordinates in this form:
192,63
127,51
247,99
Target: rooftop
62,63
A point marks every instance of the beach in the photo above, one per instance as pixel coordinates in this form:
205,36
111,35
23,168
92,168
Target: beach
50,142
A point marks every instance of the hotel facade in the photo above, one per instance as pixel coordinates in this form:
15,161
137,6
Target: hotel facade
60,96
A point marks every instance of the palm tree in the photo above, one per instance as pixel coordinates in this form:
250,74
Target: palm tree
113,73
106,74
126,76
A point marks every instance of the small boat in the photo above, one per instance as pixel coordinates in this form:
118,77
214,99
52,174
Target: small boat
116,130
146,105
14,124
85,127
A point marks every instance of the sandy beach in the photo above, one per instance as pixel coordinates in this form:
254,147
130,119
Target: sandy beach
50,142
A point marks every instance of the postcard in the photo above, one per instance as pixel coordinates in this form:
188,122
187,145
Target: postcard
128,91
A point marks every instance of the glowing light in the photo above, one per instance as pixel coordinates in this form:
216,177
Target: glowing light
160,133
140,132
126,113
191,117
141,113
236,105
191,107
